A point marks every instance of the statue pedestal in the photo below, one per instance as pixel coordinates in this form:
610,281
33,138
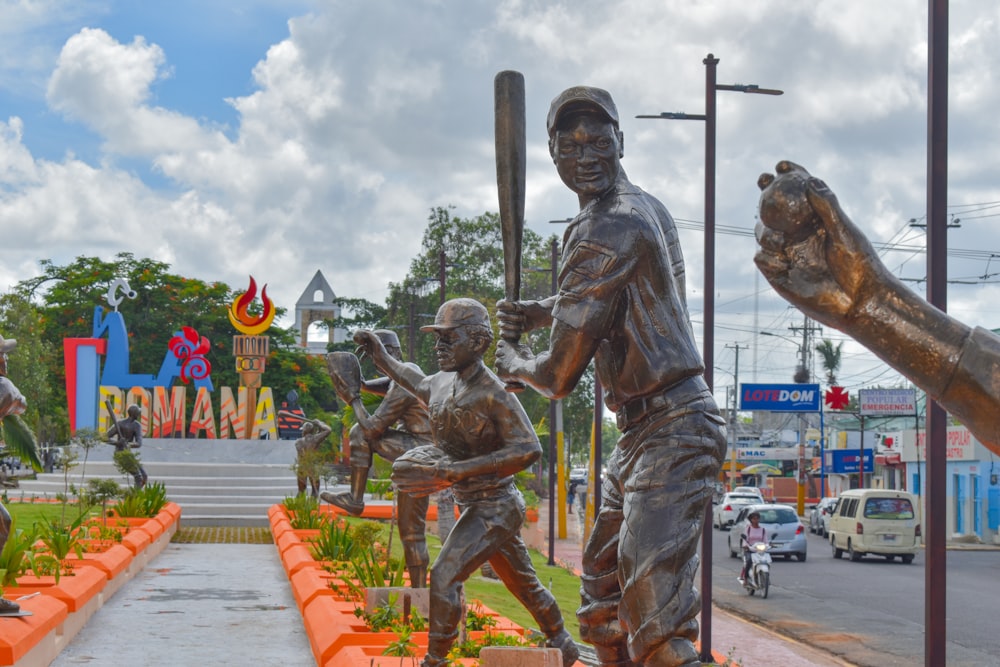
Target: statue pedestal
517,656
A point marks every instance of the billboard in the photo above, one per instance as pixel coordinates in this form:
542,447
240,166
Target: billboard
883,402
845,461
780,397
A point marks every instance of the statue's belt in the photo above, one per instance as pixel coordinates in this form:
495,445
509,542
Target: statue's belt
675,396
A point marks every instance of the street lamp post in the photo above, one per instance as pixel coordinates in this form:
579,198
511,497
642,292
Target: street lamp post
708,352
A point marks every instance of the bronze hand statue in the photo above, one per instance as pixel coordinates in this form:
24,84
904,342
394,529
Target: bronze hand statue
816,258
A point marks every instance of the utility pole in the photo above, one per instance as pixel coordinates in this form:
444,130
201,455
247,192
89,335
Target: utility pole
732,415
805,371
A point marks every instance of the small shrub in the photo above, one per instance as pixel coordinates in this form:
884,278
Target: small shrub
17,555
304,512
334,543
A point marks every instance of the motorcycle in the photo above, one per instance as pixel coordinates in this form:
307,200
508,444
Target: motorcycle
758,577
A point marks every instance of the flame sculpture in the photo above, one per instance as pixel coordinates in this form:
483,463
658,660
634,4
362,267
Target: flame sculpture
243,320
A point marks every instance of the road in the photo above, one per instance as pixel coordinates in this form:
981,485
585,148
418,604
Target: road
869,613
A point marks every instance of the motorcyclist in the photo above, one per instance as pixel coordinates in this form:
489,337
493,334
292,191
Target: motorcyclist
753,534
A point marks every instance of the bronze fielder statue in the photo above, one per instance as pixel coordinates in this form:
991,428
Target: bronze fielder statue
483,438
815,257
314,432
11,403
621,302
374,434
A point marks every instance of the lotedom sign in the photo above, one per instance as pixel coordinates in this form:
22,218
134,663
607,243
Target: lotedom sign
780,397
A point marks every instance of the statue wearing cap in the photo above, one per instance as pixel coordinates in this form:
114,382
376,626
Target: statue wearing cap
11,403
377,434
483,438
621,302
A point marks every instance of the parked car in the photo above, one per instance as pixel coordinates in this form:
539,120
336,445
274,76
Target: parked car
819,516
752,490
875,522
726,510
786,533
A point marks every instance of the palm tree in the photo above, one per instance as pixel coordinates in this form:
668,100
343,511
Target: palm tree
831,359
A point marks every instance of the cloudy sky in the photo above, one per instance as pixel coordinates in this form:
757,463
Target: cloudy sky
278,137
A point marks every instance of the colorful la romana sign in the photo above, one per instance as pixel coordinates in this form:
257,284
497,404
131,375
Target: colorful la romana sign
780,397
98,373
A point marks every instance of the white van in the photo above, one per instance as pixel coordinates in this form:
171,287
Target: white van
876,522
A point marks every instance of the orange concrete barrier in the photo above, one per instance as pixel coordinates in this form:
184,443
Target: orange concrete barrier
18,636
136,541
73,590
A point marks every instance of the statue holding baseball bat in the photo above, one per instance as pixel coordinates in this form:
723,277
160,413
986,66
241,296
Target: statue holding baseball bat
127,434
483,437
377,433
621,302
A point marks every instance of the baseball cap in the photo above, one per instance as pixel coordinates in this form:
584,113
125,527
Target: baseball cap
459,312
581,97
6,345
388,337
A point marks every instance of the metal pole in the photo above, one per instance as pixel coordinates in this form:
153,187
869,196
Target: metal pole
708,336
553,504
555,453
441,273
411,332
861,460
935,572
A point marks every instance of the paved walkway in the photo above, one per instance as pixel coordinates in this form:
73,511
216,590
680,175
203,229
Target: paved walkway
198,604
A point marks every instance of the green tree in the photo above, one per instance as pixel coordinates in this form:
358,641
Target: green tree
831,355
21,320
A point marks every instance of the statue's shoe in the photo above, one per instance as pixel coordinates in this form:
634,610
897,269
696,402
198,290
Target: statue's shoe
344,501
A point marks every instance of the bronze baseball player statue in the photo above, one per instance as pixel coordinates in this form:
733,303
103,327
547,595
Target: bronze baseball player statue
127,434
621,303
314,432
483,437
12,403
375,434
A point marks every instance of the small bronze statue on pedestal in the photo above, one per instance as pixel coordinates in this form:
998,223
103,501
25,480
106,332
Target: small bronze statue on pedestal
126,434
314,432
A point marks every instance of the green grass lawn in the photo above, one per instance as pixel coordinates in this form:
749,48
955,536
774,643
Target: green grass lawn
28,514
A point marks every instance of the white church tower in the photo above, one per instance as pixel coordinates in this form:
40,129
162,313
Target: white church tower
315,305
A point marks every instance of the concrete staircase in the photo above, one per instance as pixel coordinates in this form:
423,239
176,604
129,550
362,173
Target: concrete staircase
216,482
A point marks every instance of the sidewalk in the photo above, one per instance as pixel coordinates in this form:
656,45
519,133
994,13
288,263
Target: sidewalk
198,604
745,643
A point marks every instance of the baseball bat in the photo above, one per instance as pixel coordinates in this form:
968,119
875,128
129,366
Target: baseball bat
508,106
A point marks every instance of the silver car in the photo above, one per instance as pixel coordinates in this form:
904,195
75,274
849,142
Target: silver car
784,530
726,509
819,516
